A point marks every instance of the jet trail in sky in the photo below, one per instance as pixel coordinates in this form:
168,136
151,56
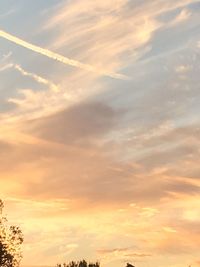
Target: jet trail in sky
58,57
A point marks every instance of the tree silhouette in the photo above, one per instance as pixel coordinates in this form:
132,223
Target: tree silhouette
129,265
82,263
11,239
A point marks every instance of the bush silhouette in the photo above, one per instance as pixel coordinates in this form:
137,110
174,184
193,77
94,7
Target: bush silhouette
11,239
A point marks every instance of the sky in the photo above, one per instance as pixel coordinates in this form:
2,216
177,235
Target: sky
99,133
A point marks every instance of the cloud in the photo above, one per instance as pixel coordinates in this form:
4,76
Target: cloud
79,122
181,17
101,43
137,255
169,229
6,67
34,76
37,78
197,263
183,68
6,57
125,252
8,13
179,243
81,155
112,250
4,147
58,57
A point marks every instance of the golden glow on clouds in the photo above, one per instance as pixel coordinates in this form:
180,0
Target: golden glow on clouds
100,168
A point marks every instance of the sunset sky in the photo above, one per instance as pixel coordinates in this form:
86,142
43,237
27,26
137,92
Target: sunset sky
100,130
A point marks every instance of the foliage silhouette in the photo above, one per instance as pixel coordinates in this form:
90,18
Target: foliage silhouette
129,265
11,238
82,263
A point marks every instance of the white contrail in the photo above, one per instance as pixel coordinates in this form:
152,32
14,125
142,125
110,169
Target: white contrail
59,57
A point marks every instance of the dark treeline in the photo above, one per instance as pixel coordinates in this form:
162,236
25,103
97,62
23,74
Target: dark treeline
81,263
84,263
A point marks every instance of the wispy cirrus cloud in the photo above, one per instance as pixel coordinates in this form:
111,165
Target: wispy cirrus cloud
109,166
6,14
34,76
